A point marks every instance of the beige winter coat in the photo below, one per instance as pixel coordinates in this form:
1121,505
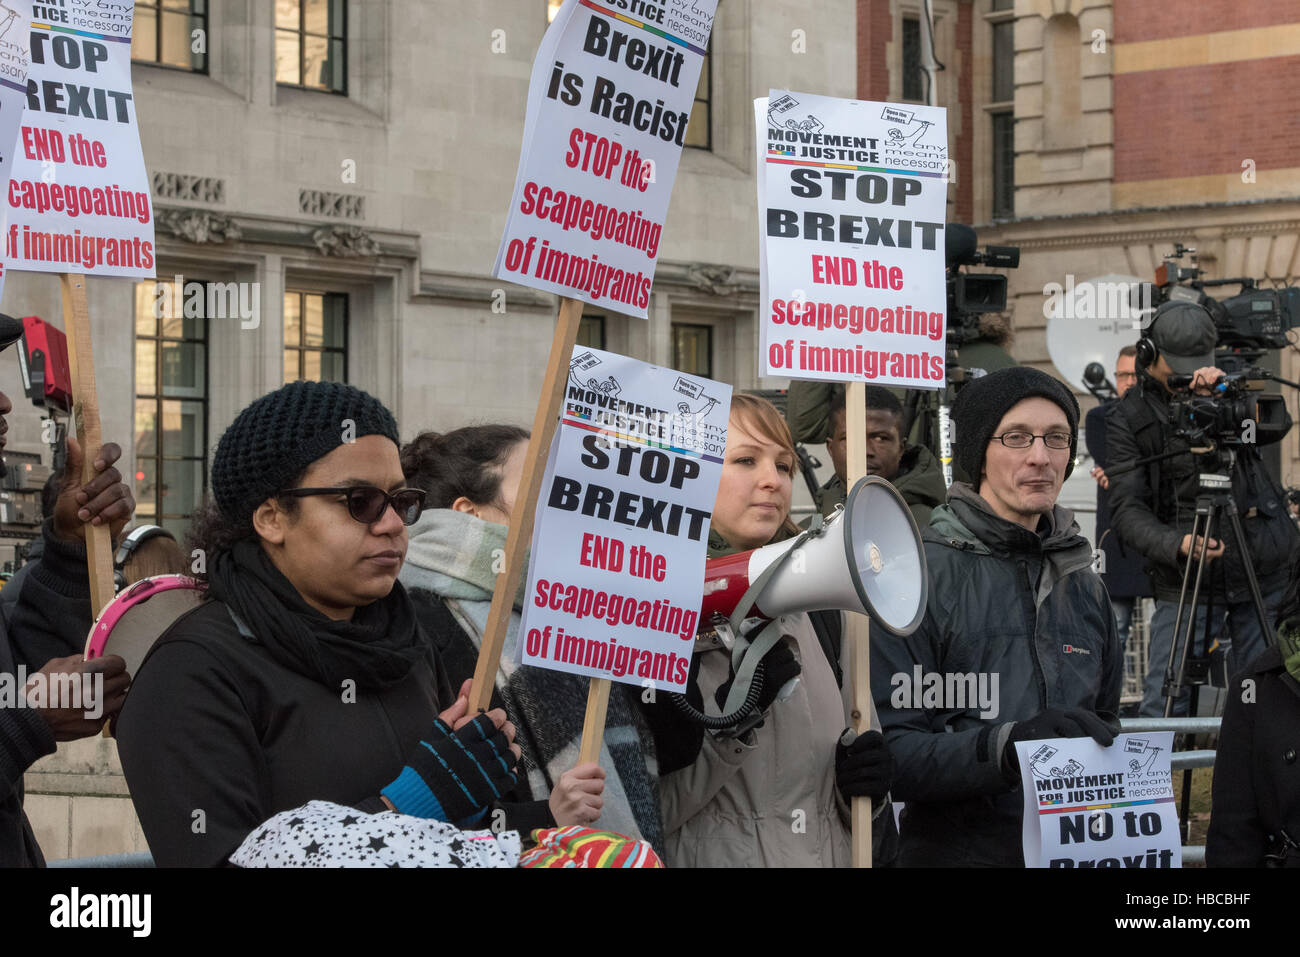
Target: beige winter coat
772,803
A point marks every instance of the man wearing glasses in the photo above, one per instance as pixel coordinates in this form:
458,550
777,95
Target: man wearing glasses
1121,568
1013,605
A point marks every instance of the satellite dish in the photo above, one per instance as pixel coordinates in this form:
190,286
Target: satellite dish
1090,321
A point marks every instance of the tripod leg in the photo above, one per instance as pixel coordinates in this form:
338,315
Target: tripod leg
1182,640
1256,597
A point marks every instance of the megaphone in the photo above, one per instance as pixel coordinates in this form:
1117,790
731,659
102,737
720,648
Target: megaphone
867,558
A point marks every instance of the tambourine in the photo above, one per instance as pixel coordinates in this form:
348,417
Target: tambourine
131,623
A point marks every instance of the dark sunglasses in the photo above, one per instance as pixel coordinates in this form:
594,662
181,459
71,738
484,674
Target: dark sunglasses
367,504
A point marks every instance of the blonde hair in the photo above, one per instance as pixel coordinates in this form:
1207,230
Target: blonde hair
762,418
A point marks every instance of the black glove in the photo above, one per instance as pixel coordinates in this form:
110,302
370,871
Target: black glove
864,768
454,776
1055,723
779,666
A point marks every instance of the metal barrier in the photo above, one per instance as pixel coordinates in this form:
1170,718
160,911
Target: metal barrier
1181,760
136,859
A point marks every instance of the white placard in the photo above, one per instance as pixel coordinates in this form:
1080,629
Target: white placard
851,197
608,105
617,565
78,195
1089,806
15,58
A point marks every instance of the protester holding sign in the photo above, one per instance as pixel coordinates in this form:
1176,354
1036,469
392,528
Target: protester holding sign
1018,641
774,796
306,676
471,476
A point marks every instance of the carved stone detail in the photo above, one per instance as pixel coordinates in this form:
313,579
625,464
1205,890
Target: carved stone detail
198,226
718,280
345,241
318,202
189,189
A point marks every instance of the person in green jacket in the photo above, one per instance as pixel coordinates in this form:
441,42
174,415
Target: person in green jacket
817,409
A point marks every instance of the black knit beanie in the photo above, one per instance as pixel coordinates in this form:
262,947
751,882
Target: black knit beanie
982,402
273,441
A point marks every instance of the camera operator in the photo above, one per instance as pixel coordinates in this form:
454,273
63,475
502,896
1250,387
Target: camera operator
1153,506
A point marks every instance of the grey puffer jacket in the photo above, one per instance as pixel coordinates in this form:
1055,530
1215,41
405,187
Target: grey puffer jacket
1008,604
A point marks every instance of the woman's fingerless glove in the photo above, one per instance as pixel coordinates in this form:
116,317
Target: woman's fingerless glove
454,776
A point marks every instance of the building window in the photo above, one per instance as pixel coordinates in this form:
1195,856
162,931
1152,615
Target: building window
1004,165
311,44
693,349
1004,53
166,32
171,404
591,332
699,131
913,81
315,336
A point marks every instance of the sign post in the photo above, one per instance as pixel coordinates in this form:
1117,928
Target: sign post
852,198
78,200
608,103
525,507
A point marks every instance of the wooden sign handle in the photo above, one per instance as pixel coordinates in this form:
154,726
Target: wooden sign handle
858,626
85,415
593,724
525,507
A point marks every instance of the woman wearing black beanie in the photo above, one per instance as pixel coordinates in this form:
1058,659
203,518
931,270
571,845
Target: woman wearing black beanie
304,676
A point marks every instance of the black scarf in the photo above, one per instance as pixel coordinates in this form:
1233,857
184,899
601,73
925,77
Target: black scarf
376,649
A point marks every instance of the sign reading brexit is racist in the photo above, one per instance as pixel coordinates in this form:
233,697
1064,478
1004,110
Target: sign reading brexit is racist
617,565
610,98
78,194
851,198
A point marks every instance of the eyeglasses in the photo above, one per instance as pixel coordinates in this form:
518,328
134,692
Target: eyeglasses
1023,440
1125,375
367,504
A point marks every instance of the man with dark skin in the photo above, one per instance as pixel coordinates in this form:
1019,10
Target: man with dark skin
48,626
913,470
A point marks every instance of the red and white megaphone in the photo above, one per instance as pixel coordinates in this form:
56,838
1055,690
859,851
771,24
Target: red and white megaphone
867,558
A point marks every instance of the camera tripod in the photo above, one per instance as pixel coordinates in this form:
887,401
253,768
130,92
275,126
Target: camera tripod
1212,504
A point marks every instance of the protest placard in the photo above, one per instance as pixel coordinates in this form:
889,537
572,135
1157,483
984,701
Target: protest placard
78,194
851,197
617,563
611,94
1089,806
15,58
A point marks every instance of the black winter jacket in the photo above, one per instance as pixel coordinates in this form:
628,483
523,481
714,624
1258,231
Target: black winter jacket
1124,573
50,620
1257,769
1004,602
1152,507
216,737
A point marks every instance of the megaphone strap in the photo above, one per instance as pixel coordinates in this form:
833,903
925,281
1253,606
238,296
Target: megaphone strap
745,659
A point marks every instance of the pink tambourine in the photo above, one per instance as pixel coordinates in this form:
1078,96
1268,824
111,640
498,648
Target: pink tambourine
137,617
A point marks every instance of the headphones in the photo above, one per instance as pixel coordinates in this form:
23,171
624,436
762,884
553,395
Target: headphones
134,539
1147,351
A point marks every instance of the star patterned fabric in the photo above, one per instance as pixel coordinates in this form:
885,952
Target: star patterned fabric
321,834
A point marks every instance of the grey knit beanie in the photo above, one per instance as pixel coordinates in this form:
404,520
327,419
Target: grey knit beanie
273,441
